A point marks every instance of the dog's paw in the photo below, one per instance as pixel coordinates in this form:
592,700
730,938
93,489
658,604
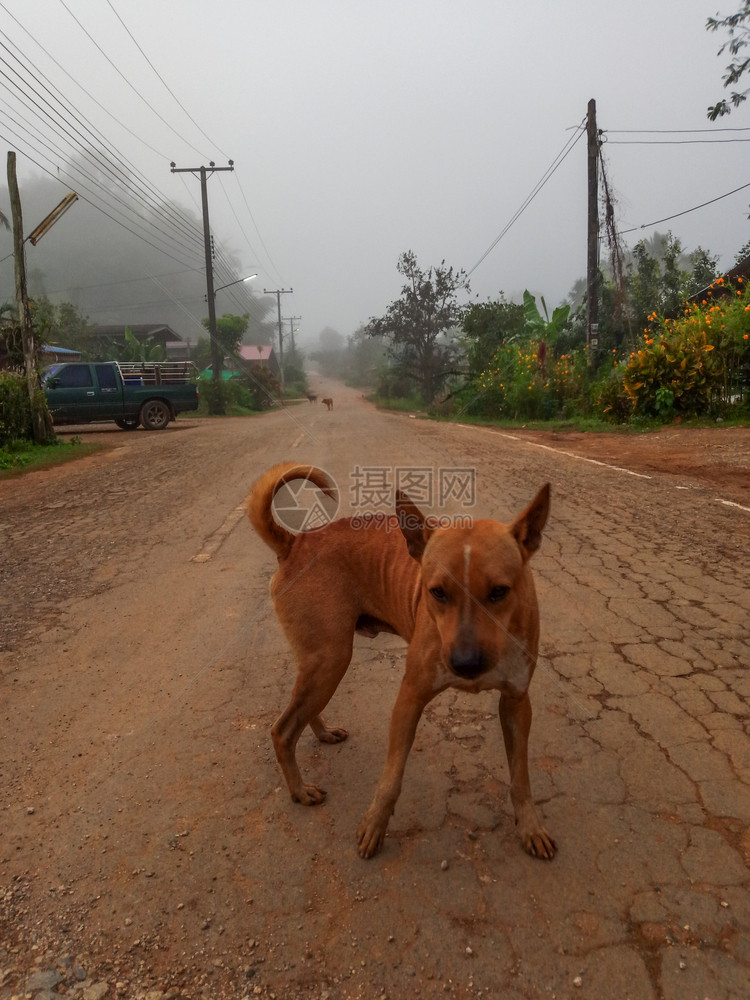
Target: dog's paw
370,837
309,795
332,734
539,844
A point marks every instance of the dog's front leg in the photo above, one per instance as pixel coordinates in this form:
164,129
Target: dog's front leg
407,712
515,718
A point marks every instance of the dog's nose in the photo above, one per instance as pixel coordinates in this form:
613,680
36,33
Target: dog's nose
467,661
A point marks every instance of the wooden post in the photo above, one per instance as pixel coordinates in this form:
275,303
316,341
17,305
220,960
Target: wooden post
592,256
41,422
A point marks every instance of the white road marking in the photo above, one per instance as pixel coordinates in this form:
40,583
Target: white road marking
731,503
570,454
581,458
213,542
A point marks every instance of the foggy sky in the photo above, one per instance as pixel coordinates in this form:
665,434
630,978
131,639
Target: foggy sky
363,129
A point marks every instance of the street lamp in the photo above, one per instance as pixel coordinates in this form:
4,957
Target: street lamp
237,282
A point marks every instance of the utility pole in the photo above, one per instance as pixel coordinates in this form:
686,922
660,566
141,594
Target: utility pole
278,292
592,256
216,405
41,422
292,321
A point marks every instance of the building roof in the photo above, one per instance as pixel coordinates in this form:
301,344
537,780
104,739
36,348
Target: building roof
161,332
741,270
52,349
253,352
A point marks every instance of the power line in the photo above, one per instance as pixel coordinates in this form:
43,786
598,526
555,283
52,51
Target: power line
672,131
129,82
580,130
252,219
84,137
80,86
52,109
687,211
669,142
162,80
89,201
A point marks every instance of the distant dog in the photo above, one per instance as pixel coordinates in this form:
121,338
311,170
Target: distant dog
463,598
328,402
312,397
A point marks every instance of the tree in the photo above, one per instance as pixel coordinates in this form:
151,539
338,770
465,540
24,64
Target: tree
426,311
704,270
739,38
487,326
63,325
364,356
229,332
330,354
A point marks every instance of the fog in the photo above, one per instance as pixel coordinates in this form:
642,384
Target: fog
357,131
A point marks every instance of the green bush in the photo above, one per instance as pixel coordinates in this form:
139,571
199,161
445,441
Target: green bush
15,409
523,382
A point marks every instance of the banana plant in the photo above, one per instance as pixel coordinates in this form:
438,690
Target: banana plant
539,327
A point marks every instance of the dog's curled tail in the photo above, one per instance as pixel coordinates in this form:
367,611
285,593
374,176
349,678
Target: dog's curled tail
261,496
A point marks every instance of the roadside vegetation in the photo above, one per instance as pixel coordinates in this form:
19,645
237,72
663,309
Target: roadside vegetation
674,345
243,389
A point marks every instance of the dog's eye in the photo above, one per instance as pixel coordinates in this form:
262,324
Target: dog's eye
439,594
498,594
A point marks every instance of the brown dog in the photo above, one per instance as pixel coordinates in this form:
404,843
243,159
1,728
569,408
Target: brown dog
328,402
463,598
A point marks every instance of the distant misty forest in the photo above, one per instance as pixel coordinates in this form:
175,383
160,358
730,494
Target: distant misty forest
114,275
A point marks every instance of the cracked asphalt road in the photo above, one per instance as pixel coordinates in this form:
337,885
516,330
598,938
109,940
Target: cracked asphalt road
146,839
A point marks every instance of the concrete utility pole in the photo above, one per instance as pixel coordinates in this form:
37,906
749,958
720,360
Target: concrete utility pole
292,321
41,422
217,354
592,256
278,292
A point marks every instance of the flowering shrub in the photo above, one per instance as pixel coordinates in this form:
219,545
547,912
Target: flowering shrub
695,363
682,364
525,381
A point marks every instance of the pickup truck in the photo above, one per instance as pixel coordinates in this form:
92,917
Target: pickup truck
133,393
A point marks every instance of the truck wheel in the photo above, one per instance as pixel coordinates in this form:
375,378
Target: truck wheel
155,415
127,423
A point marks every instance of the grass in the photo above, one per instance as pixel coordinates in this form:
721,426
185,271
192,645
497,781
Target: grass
402,404
588,424
25,456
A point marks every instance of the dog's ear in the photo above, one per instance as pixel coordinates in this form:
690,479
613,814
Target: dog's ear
528,526
414,527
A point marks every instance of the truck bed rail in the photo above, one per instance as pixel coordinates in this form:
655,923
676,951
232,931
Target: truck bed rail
158,372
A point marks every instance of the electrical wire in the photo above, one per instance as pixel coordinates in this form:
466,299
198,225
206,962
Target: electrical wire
162,80
82,189
687,211
44,100
80,86
672,131
670,142
90,200
83,137
255,225
556,163
129,82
